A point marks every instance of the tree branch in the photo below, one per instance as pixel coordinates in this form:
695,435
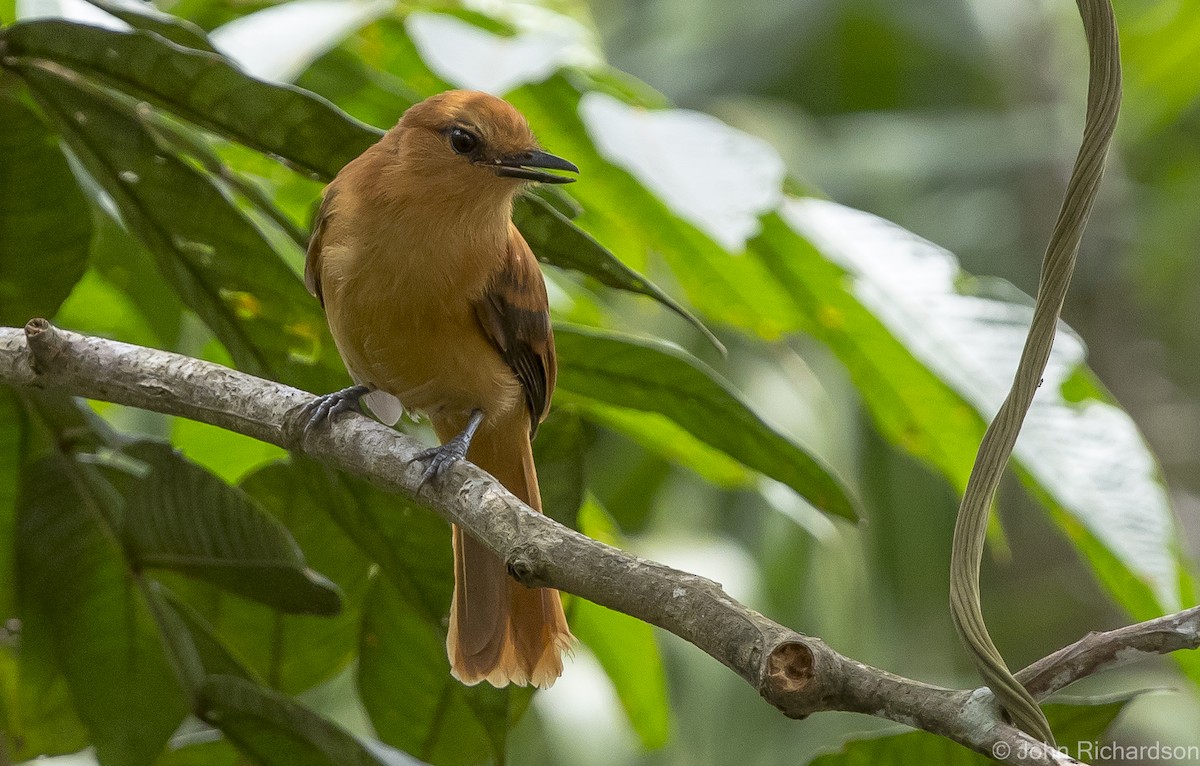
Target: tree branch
798,674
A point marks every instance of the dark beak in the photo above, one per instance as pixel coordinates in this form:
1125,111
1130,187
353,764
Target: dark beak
522,166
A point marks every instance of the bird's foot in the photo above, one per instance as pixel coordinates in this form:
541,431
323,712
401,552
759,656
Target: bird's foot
442,457
323,408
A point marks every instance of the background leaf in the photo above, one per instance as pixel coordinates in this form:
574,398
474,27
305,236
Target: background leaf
146,17
1083,721
214,256
403,658
74,583
184,519
278,732
293,653
625,647
556,241
44,223
643,375
204,89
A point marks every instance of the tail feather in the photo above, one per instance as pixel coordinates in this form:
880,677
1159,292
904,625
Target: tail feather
501,631
486,609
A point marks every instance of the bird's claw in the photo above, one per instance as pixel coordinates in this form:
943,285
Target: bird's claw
323,408
441,458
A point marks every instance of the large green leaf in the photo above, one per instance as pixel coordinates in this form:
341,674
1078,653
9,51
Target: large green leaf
414,703
280,41
631,220
1077,727
122,262
625,647
219,263
231,456
39,717
145,16
182,518
211,753
193,648
664,437
74,583
555,240
402,645
651,376
292,652
262,722
45,226
896,309
203,88
409,543
285,122
277,731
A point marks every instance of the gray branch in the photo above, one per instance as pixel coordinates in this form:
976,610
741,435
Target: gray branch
800,675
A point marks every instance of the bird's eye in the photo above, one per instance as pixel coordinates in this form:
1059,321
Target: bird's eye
462,141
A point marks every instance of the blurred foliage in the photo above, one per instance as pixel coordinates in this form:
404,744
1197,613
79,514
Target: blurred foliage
159,192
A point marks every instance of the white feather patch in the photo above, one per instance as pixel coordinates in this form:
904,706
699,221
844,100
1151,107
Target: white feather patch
386,408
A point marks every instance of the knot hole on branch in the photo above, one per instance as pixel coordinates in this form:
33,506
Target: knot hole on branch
790,668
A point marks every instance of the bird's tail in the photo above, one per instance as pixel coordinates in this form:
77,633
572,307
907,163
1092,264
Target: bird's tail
501,631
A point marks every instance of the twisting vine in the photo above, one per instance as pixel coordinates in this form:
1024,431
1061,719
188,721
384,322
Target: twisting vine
1103,104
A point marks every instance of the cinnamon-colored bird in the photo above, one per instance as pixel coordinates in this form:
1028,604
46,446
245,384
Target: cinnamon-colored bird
437,305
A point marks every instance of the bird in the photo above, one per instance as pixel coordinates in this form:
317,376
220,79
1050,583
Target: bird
437,306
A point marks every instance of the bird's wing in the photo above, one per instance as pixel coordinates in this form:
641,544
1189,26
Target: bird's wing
312,262
515,315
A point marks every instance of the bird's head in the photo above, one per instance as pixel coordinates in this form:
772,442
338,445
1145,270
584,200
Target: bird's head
474,141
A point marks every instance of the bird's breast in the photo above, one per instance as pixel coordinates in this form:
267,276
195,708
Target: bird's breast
400,304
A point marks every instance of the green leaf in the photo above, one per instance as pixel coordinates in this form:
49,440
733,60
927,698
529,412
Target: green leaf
276,731
933,353
297,652
215,753
182,518
281,41
558,453
411,546
39,718
624,646
410,543
12,430
202,88
367,93
664,437
193,649
95,307
229,455
639,374
557,241
413,701
45,227
1158,44
126,265
630,220
218,262
1082,721
144,16
74,582
286,122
